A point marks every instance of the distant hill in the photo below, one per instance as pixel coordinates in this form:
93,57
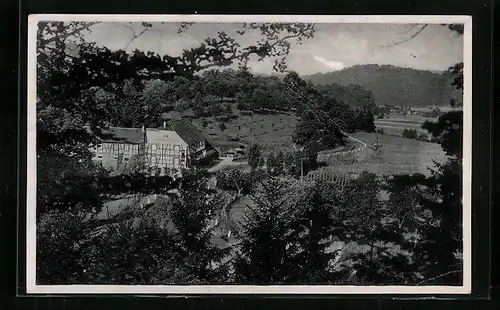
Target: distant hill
395,85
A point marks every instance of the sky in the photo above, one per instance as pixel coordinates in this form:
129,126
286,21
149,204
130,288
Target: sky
333,47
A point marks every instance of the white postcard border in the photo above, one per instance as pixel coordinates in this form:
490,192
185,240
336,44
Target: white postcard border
33,288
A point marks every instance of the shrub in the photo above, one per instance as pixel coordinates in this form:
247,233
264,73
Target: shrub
234,139
181,105
254,155
244,106
223,118
199,112
58,235
423,137
435,113
410,133
133,252
233,179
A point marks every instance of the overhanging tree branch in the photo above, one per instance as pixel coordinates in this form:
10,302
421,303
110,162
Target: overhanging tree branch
408,39
134,35
63,36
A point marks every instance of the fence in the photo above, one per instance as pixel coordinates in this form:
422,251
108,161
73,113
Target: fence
340,180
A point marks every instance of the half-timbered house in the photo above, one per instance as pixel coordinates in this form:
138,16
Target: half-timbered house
117,146
164,151
175,146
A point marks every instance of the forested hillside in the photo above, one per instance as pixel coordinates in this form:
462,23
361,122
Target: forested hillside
395,86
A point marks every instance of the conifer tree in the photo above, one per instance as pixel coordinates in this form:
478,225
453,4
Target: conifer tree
267,240
193,213
314,228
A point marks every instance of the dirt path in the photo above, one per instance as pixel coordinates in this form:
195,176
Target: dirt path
363,145
226,162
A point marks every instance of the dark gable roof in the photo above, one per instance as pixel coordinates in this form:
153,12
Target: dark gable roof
120,135
187,131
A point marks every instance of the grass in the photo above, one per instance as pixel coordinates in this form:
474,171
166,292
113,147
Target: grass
395,124
272,132
397,155
124,204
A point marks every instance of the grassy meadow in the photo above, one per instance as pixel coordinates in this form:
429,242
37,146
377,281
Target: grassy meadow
272,132
395,124
397,155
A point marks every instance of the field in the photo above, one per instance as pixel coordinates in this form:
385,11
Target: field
394,124
397,155
272,132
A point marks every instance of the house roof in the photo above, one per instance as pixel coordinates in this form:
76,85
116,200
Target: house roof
158,135
187,131
119,135
184,128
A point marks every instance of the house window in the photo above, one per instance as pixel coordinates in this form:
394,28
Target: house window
153,159
126,158
100,156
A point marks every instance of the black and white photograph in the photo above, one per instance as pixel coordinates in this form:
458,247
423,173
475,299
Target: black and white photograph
215,154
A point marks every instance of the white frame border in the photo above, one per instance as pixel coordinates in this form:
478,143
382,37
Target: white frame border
33,288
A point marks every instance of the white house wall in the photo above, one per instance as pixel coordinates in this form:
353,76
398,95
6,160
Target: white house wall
109,154
165,151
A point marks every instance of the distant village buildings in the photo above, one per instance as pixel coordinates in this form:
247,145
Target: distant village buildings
164,151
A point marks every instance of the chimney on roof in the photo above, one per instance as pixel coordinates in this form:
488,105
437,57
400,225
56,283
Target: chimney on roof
143,130
165,124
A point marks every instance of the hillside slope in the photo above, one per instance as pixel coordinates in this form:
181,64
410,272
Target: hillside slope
396,86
